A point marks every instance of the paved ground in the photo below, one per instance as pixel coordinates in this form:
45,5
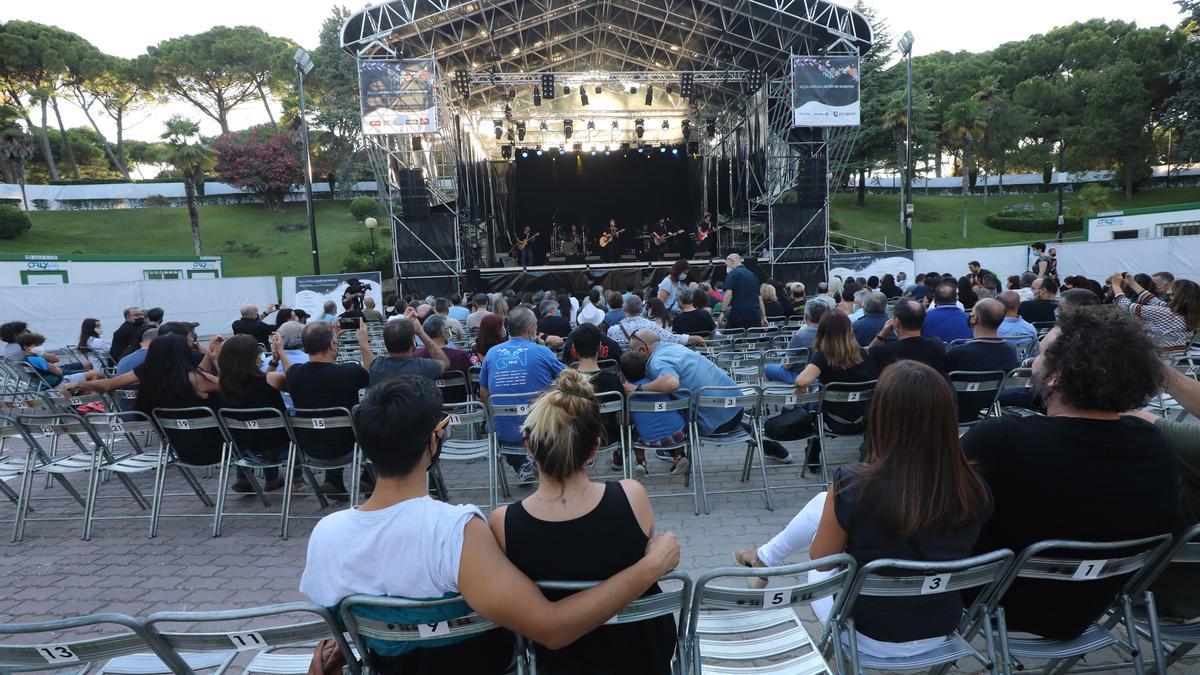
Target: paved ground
54,574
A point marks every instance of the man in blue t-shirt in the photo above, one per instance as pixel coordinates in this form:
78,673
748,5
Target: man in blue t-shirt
742,305
518,366
945,320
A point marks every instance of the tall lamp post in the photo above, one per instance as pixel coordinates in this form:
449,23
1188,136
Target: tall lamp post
304,66
371,224
906,216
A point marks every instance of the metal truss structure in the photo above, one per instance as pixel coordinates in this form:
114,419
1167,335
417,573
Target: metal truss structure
623,47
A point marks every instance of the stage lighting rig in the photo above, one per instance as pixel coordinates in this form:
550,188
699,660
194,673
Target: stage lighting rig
578,147
615,125
498,128
462,83
687,129
710,128
649,94
597,89
507,111
757,77
566,89
687,84
666,125
543,127
567,128
583,97
520,131
537,96
591,125
506,151
639,127
633,88
548,86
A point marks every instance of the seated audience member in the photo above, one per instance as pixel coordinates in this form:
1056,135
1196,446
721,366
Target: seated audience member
908,317
436,550
244,385
369,313
889,288
1045,299
329,311
801,339
591,311
1083,472
517,366
123,335
867,327
399,339
925,288
987,351
98,351
491,333
138,356
284,315
634,322
914,498
321,382
33,350
616,312
1171,319
693,320
847,303
586,344
458,308
658,429
793,304
289,336
609,350
657,312
1013,325
187,331
598,529
252,324
966,292
8,334
837,358
154,316
552,321
1076,297
441,307
481,310
1025,286
946,321
459,360
770,300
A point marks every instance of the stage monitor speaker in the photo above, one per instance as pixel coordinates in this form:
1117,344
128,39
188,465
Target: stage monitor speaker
593,259
628,257
556,260
508,261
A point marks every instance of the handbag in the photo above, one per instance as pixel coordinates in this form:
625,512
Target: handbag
327,659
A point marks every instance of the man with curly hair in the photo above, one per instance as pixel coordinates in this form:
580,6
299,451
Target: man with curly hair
1085,471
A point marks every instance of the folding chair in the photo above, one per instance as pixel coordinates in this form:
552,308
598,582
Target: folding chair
1080,562
776,398
669,601
507,405
892,578
977,393
1043,327
473,378
313,431
746,398
612,407
681,402
1164,403
1185,552
784,358
386,623
744,367
1023,344
223,646
246,427
842,393
730,623
454,382
467,439
78,654
195,440
36,428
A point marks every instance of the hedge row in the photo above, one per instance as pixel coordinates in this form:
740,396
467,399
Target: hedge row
1035,224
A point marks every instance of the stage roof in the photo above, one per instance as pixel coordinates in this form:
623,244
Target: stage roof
605,35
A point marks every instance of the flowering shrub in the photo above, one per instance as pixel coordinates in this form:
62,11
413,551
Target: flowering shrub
261,159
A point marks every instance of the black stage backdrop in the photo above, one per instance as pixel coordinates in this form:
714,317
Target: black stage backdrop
579,187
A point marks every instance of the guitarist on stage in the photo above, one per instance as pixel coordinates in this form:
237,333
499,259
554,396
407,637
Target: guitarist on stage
660,236
611,242
525,249
708,236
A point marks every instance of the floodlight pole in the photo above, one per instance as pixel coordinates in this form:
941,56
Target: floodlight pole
302,58
907,215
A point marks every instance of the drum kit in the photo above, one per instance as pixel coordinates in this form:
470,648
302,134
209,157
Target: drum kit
564,242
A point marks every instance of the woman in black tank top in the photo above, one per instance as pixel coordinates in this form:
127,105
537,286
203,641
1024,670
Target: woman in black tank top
573,529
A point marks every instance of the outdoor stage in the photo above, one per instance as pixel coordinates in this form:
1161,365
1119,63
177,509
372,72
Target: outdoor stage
611,276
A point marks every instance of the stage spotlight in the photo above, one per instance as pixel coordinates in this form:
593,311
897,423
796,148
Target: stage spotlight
539,153
567,128
687,129
639,127
633,89
578,147
674,151
591,125
562,151
641,150
542,127
615,125
462,82
498,129
416,143
566,89
757,77
662,148
650,94
506,151
525,153
607,152
710,128
593,153
597,89
583,99
666,125
687,84
509,134
507,111
537,96
548,86
521,131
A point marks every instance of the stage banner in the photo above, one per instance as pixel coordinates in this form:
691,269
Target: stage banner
872,264
397,96
313,291
825,91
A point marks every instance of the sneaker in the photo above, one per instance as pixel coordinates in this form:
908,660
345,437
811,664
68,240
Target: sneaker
273,484
777,452
617,462
527,472
243,486
747,558
680,466
299,488
665,454
640,471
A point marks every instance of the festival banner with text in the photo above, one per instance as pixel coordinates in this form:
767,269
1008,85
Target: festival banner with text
397,96
825,91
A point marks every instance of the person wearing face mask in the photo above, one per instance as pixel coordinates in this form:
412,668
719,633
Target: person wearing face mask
123,336
98,351
668,288
33,349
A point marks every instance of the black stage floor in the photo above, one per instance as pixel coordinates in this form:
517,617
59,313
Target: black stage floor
579,278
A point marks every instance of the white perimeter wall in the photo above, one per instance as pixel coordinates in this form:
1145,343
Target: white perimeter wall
58,311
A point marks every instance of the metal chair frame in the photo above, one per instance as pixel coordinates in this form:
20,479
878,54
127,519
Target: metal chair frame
973,381
681,402
314,420
180,420
842,392
79,654
507,405
403,629
466,440
748,398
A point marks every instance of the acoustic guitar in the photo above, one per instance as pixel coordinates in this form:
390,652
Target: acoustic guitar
520,245
608,237
660,239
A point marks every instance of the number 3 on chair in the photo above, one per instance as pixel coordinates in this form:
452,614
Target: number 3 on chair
57,654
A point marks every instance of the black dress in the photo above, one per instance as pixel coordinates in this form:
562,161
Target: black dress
593,547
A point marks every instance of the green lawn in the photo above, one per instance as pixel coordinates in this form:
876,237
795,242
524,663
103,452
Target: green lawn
938,221
231,232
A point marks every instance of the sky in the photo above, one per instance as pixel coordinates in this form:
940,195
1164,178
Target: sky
127,27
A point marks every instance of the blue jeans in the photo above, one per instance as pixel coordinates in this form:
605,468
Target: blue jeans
270,473
777,373
526,257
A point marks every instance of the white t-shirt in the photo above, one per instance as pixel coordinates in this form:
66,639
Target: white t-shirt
574,311
411,550
591,314
100,352
672,289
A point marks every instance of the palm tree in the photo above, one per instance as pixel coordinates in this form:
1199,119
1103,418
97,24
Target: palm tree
965,125
190,160
15,150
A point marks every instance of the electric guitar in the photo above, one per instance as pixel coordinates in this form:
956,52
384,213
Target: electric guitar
701,235
660,239
608,237
520,245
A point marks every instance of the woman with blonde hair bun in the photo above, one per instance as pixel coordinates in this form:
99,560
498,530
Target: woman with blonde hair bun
573,528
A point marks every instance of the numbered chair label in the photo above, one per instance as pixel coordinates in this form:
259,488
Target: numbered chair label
75,400
117,428
853,396
244,642
660,406
730,402
58,654
439,383
318,422
972,386
935,584
790,399
777,597
434,630
522,409
1089,569
455,419
47,430
183,424
251,424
